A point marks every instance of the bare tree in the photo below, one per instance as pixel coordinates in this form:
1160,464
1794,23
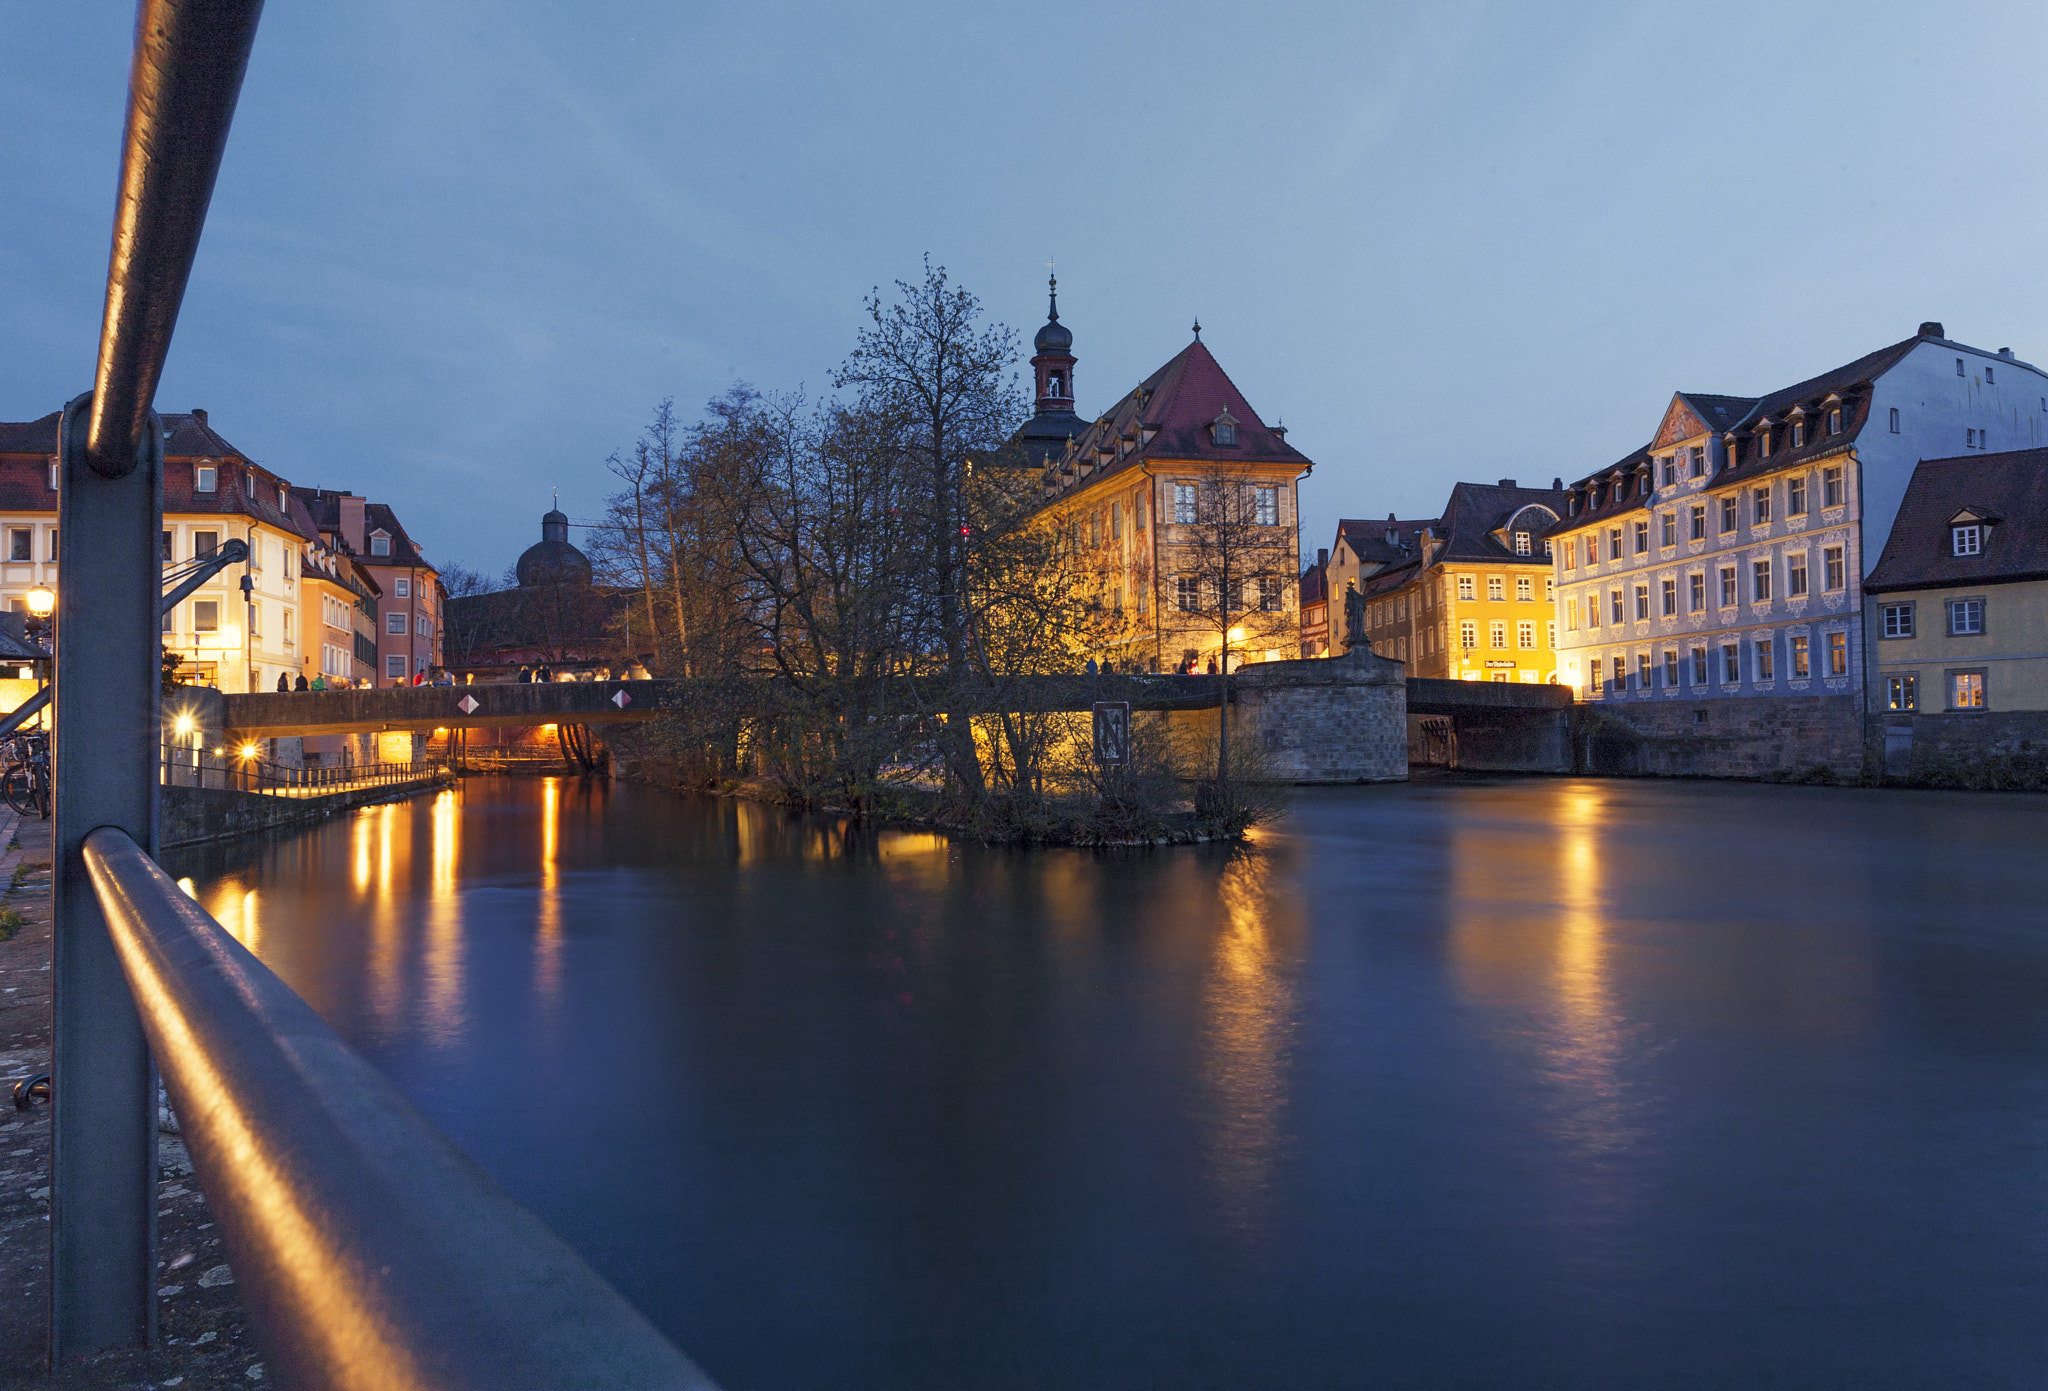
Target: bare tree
1234,569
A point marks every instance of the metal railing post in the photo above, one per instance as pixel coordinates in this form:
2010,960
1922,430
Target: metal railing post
103,1161
183,82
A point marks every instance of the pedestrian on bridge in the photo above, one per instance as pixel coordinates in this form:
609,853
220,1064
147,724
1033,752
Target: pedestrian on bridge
302,686
284,682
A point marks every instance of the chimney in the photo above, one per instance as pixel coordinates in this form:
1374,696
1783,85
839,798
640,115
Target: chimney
1507,482
2005,352
1392,518
199,415
352,522
1932,329
1322,558
1557,485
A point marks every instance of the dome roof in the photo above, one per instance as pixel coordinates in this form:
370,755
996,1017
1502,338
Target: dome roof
553,560
1054,337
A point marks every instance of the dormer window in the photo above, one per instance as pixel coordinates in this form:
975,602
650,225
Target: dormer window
380,543
1835,421
1798,433
204,479
1763,444
1967,539
1521,543
1223,431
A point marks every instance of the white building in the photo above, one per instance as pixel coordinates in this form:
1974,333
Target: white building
1726,557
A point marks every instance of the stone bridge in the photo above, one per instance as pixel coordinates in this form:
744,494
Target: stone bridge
1348,719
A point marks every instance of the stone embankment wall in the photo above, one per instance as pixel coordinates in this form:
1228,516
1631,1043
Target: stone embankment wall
1988,749
1322,720
190,815
1816,738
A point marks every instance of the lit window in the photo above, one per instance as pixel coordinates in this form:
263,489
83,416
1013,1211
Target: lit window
1966,690
1902,692
1802,663
1593,676
1571,615
1838,654
1967,540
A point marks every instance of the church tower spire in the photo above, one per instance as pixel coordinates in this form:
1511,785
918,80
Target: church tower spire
1054,361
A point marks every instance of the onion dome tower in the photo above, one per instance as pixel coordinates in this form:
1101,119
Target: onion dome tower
1045,435
553,560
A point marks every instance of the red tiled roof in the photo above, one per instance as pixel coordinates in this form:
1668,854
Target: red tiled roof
1179,403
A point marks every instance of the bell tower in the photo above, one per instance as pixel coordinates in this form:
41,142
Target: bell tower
1054,360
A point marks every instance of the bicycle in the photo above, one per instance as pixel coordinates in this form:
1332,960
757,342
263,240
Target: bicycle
25,778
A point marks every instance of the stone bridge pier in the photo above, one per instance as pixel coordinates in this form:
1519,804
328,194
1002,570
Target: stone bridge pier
1323,720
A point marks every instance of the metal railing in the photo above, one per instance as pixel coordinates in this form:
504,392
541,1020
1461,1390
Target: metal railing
197,768
368,1249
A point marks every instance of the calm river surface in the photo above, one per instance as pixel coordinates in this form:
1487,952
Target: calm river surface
1537,1083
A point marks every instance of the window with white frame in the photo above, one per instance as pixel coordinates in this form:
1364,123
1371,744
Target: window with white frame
1266,506
1966,690
1696,592
1525,589
204,479
1731,664
1802,659
1496,587
1897,620
394,623
394,668
1465,587
1668,523
1837,574
1966,540
1766,658
1760,506
1727,586
1184,504
402,589
1699,666
1965,617
1838,654
1670,596
1795,575
1497,634
1269,594
1902,692
1187,593
1699,461
1642,602
380,544
1522,543
1760,581
1795,496
1468,635
1699,522
1525,635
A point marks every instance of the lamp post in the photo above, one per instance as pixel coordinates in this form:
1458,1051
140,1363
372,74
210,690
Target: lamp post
42,602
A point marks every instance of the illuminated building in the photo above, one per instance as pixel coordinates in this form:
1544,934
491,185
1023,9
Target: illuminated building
1465,597
1126,485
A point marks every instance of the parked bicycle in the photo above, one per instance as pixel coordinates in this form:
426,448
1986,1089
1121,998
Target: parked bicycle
25,774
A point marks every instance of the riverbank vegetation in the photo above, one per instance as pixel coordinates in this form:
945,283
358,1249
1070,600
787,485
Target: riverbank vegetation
884,555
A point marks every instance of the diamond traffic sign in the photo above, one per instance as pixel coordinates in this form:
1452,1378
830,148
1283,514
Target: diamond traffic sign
468,704
622,700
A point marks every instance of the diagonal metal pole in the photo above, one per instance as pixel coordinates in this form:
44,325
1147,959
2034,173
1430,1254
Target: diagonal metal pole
182,86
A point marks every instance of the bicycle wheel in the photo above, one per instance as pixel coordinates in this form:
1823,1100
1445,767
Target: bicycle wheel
18,786
39,779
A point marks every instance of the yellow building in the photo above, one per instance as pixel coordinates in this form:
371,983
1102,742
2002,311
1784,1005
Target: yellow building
1139,490
1473,597
1958,602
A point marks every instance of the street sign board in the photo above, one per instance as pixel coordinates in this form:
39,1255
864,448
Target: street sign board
1112,732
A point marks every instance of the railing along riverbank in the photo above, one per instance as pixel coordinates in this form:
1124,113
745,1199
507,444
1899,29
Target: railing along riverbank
196,768
370,1252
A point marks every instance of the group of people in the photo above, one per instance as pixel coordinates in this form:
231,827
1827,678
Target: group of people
635,672
323,682
1185,667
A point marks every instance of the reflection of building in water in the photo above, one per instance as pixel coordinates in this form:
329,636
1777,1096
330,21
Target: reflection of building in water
1529,933
1248,999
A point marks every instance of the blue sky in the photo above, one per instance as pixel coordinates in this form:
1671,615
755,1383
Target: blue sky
459,250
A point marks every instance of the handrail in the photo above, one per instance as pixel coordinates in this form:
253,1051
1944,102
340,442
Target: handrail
195,768
369,1251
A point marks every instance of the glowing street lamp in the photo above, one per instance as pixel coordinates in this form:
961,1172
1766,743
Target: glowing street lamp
42,601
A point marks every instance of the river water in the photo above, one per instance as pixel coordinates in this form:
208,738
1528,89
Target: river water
1533,1083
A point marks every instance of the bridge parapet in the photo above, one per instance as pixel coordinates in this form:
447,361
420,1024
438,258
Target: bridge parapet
277,714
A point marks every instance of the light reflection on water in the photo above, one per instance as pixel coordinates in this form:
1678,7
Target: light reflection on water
1548,1082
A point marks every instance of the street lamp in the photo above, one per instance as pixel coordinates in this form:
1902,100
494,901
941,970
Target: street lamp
42,601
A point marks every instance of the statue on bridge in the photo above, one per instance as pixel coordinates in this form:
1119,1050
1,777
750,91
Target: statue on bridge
1355,639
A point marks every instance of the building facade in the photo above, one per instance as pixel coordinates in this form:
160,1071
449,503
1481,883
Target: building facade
1138,490
408,588
1474,600
1726,558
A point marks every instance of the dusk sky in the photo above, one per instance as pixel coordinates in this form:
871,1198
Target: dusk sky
459,250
